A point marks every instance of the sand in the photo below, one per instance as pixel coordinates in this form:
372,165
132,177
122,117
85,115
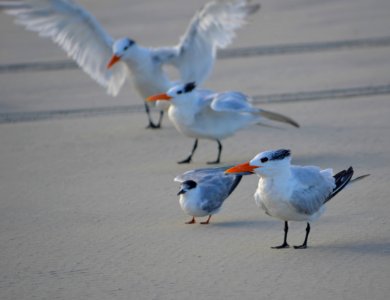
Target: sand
88,206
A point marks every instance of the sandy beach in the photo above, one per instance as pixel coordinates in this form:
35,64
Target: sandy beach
88,206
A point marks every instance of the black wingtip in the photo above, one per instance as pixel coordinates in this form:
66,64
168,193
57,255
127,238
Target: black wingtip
341,180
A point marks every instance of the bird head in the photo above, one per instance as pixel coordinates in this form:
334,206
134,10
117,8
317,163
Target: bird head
186,186
265,164
175,93
121,48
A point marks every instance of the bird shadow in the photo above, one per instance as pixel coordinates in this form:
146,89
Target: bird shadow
241,224
362,247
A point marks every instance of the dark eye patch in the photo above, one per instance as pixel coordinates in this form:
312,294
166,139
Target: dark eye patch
264,159
179,92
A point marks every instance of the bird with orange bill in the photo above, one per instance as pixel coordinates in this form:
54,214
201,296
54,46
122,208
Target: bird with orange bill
109,61
293,193
204,114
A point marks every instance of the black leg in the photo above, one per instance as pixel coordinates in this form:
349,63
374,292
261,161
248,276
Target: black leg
304,245
217,161
284,245
151,124
160,118
189,158
193,221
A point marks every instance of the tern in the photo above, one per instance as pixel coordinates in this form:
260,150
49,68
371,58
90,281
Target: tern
293,193
204,114
203,191
108,62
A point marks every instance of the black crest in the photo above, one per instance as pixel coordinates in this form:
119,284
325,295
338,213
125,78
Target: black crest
280,154
189,87
131,42
189,184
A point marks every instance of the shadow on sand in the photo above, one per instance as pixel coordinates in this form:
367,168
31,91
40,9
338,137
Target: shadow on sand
380,248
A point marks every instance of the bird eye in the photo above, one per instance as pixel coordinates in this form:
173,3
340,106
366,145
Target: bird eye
126,48
264,159
179,92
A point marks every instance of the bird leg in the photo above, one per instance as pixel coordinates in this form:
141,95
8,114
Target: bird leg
217,161
206,222
160,119
304,245
284,245
189,158
192,221
151,124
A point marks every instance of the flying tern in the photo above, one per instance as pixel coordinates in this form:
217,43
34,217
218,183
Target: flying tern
203,191
293,193
108,61
204,114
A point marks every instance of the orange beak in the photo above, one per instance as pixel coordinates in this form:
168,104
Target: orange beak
242,168
159,97
114,59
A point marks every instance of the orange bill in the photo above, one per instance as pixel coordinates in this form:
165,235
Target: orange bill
114,59
242,168
159,97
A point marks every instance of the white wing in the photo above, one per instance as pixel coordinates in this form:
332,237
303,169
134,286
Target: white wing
232,102
212,27
78,33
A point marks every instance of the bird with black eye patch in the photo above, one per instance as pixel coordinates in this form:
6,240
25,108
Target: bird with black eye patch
79,34
293,193
203,191
204,114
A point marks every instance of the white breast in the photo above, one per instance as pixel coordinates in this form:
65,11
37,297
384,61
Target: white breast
273,197
190,203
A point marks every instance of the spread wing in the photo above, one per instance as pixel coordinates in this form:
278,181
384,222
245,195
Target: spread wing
78,33
312,189
211,28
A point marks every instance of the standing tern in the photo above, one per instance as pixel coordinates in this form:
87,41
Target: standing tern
203,191
204,114
293,193
107,61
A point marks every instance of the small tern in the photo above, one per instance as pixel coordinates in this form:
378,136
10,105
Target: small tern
293,193
108,62
203,191
204,114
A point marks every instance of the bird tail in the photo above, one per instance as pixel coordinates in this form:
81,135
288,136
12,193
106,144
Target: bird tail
342,179
277,117
358,178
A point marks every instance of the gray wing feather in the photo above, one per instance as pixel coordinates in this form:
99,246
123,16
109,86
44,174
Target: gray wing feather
215,185
232,102
312,189
200,175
